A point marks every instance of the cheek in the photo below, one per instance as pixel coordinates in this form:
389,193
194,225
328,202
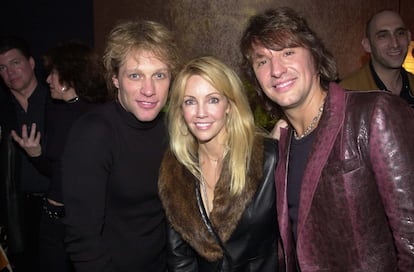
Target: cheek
123,97
262,75
163,88
188,114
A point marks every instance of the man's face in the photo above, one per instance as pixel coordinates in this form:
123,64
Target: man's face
143,82
388,40
17,71
286,76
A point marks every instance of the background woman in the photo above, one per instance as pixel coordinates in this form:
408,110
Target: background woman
216,181
76,82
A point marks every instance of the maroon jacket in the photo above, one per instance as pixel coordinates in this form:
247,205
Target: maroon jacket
356,209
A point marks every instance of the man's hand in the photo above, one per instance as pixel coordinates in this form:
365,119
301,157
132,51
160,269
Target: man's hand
31,143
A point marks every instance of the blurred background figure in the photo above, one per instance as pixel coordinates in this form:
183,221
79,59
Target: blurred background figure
77,83
387,40
22,102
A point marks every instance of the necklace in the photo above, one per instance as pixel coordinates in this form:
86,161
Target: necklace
205,197
216,163
73,100
311,125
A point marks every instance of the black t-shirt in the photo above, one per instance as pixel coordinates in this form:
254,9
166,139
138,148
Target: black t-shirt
298,156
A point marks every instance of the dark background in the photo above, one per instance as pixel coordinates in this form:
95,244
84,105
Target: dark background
45,23
202,27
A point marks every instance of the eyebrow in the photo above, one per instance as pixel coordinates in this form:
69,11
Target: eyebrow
387,30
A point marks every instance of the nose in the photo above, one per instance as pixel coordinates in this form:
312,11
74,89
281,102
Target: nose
394,41
278,68
10,70
201,111
147,87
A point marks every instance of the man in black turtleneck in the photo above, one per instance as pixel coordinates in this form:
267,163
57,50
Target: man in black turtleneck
114,218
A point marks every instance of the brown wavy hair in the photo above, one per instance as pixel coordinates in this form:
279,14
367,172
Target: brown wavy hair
281,28
79,67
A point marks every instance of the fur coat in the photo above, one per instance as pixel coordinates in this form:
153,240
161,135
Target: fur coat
231,214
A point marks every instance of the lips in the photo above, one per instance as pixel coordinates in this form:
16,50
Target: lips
283,85
147,105
202,126
394,53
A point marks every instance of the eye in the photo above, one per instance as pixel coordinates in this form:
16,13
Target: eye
383,35
402,33
214,100
134,76
261,62
189,102
288,53
16,62
160,75
2,68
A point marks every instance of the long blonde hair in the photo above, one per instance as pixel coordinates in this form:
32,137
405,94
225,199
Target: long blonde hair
240,123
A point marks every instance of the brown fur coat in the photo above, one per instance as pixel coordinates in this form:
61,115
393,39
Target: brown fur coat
177,187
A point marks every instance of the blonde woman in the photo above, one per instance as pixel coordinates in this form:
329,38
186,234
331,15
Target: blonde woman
216,181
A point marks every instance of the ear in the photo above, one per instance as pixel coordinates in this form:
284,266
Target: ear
115,81
228,108
366,45
32,62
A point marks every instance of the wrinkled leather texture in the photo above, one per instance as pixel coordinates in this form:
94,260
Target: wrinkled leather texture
356,210
246,224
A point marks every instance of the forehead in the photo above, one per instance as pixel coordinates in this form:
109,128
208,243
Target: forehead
258,50
386,20
11,54
140,59
197,83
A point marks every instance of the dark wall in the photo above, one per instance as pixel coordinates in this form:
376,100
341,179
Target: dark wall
45,23
202,27
214,27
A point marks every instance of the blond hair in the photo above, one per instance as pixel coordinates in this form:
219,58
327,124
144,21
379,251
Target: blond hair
135,35
239,125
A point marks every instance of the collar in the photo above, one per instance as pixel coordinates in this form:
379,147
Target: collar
381,85
132,121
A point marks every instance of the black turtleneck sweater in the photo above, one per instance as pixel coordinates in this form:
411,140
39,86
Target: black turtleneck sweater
60,116
114,219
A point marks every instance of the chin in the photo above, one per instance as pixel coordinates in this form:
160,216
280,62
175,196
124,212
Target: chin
146,117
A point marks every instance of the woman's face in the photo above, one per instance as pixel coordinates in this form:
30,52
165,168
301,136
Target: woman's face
57,90
205,110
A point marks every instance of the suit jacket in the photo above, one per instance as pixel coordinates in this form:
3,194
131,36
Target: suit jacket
356,207
362,80
246,223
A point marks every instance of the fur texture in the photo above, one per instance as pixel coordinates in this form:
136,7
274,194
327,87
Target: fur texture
177,188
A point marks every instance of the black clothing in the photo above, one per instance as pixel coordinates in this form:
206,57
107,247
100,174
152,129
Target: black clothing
60,116
298,156
405,90
246,224
22,186
31,181
114,218
53,256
